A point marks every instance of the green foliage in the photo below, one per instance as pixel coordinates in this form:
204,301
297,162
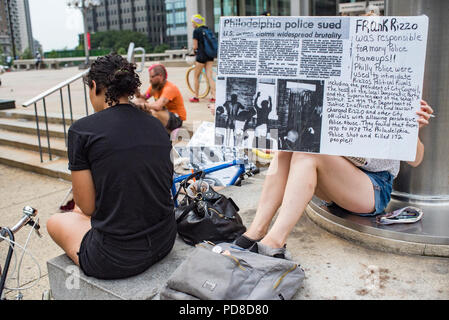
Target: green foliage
74,53
51,54
161,48
27,54
115,39
121,51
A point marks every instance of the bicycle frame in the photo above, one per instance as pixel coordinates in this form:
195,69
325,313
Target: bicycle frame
5,270
27,219
241,171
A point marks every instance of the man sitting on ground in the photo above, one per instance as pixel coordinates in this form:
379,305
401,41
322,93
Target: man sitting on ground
168,104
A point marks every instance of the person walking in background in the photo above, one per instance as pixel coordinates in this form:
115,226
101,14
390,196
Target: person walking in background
202,60
38,60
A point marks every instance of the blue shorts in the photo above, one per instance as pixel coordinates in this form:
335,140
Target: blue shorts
383,185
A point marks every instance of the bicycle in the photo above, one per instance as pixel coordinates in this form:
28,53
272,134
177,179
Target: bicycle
236,180
204,84
7,234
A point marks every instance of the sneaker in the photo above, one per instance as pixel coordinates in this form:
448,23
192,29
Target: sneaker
194,99
281,253
246,243
212,100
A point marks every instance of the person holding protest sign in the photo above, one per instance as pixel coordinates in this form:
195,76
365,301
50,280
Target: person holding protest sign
294,177
202,59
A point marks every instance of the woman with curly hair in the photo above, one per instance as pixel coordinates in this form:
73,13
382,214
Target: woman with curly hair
121,178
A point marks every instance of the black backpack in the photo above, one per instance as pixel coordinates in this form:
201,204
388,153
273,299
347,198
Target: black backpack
210,43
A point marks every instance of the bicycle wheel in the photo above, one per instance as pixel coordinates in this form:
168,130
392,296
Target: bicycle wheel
204,84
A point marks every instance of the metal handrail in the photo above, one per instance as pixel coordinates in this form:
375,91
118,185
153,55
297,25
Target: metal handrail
54,89
42,96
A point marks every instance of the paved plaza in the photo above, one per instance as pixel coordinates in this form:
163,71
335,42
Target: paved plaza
335,268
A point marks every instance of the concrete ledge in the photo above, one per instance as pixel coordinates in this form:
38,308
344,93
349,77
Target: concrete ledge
68,282
63,274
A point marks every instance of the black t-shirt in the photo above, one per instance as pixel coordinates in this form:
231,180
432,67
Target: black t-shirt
198,35
128,154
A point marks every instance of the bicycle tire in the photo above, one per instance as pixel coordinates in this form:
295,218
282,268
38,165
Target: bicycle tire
204,84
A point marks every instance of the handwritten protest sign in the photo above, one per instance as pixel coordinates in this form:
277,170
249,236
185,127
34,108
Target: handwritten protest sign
333,85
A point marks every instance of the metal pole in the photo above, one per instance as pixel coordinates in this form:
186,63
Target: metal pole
46,129
86,48
430,181
11,30
426,186
38,132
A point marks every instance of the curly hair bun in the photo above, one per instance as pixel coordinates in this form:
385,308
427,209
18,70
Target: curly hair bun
115,74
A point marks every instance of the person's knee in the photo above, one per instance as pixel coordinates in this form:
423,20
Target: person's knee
53,225
305,159
284,155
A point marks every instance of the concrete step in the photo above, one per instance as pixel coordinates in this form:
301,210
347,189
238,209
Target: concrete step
29,127
30,142
30,161
145,286
28,114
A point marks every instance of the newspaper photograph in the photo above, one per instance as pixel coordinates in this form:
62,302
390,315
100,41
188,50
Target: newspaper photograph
333,85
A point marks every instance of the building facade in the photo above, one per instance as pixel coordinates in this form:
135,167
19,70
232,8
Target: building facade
168,21
5,41
15,27
145,16
176,23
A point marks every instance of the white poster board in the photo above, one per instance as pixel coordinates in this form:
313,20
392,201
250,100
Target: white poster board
333,85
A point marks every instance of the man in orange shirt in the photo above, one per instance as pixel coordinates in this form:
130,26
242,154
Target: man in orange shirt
168,104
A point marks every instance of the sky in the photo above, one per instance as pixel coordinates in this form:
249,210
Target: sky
54,24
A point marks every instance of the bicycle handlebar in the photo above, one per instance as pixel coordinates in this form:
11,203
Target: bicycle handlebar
28,214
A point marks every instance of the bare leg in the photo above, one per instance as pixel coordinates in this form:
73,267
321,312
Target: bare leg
198,69
336,178
68,229
210,79
162,116
272,193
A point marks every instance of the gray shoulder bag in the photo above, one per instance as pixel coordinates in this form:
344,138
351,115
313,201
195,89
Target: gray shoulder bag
227,272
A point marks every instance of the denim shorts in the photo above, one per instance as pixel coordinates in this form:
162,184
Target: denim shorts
383,185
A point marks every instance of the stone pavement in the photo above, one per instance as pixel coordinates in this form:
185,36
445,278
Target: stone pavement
21,86
335,268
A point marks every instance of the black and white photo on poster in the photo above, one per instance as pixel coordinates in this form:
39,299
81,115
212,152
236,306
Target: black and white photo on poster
300,109
270,114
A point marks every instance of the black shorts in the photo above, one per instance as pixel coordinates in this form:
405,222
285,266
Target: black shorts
174,121
201,58
106,257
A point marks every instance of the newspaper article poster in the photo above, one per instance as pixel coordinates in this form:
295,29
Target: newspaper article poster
333,85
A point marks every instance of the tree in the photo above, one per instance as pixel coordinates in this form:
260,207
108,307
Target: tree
27,54
115,40
161,48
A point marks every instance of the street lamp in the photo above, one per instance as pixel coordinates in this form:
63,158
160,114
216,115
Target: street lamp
84,6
